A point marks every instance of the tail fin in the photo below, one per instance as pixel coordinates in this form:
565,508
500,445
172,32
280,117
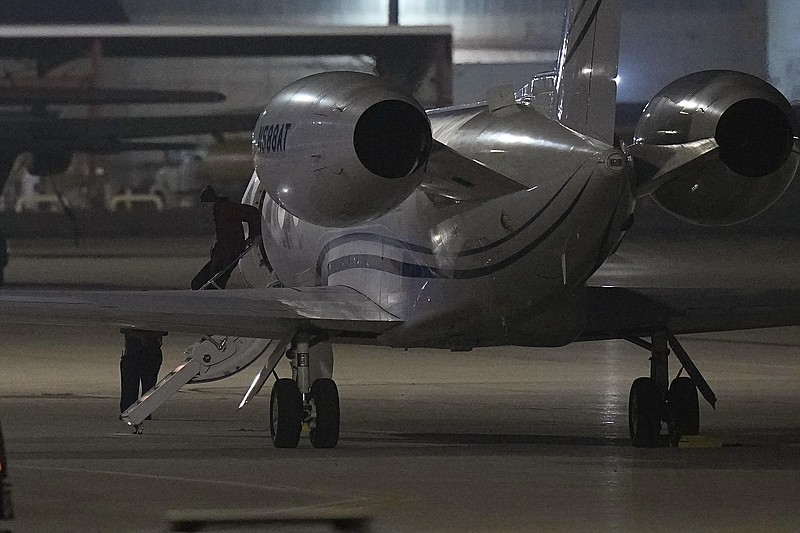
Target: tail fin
586,86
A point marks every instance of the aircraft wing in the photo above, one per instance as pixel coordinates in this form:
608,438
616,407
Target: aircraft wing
37,95
617,312
263,313
103,132
717,283
132,40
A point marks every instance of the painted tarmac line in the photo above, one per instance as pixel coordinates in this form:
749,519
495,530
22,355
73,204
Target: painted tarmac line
180,479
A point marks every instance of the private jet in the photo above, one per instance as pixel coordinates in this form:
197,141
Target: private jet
481,225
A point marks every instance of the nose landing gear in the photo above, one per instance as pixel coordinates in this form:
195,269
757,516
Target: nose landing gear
654,400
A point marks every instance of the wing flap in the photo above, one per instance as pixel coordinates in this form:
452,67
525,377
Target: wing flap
452,175
263,313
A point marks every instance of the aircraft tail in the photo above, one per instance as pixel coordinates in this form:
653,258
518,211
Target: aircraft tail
586,86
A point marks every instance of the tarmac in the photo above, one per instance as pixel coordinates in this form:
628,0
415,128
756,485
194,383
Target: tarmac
507,439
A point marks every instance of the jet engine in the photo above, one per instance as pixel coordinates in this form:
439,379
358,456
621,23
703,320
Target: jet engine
340,148
716,147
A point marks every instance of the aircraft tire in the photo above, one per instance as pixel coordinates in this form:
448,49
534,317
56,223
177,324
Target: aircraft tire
325,431
644,413
684,409
285,414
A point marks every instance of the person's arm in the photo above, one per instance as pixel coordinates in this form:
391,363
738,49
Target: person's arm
251,216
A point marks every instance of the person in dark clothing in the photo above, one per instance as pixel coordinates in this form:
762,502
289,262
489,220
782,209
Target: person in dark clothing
3,257
228,219
140,362
6,505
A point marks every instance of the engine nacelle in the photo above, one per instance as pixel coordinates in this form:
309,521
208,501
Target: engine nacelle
340,148
716,147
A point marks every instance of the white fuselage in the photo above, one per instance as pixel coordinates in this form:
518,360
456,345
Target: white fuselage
463,274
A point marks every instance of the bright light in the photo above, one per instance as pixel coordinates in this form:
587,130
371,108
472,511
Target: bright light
304,98
617,79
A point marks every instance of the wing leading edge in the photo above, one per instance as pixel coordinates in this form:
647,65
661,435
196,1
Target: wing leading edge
263,313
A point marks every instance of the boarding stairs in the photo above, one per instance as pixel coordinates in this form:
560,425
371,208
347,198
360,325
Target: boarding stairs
211,358
212,283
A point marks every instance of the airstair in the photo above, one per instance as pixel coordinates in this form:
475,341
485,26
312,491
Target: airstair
213,357
212,283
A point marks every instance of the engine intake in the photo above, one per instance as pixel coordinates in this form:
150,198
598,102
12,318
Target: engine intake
340,148
716,147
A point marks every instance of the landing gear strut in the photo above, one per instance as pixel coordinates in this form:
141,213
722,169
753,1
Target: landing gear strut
653,400
300,402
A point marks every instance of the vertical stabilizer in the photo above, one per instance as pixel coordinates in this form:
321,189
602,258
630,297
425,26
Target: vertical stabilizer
586,87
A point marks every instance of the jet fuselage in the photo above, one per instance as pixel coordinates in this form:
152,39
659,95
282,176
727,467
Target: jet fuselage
464,274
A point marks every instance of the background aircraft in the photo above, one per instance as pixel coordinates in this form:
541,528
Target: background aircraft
38,37
475,226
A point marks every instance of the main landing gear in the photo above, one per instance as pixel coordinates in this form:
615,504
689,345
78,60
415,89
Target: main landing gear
300,402
654,400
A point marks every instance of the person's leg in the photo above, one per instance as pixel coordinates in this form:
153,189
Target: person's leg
202,277
222,280
129,384
148,381
222,259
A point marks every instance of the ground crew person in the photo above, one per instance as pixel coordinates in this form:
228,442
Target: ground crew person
6,506
228,219
140,362
3,257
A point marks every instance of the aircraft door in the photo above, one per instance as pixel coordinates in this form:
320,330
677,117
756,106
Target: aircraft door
255,266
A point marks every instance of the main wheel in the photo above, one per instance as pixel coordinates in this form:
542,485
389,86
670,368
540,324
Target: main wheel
644,413
285,414
684,409
324,431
